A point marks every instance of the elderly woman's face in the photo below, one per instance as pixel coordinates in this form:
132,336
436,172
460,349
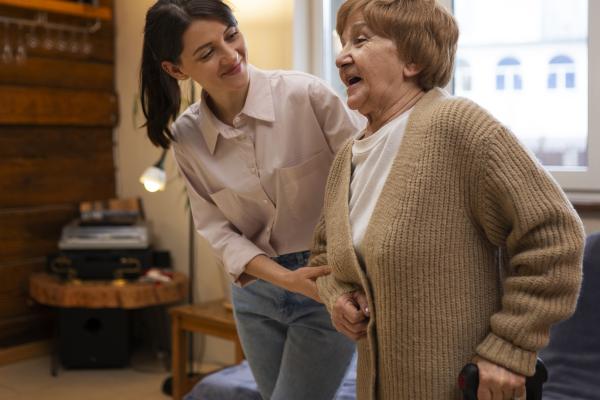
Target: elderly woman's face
370,68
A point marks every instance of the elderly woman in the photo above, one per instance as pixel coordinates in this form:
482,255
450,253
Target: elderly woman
448,242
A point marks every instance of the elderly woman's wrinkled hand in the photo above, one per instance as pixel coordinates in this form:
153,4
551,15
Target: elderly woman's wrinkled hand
498,383
350,315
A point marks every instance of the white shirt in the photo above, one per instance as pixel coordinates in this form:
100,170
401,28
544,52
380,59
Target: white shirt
372,159
257,187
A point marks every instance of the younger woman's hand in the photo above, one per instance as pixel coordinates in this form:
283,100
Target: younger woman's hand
303,280
497,382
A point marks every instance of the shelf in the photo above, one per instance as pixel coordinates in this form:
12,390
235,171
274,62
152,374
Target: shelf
62,7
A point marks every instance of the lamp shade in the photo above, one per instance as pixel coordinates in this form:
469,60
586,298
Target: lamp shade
154,179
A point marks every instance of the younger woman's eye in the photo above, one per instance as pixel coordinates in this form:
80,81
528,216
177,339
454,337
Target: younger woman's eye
232,35
206,55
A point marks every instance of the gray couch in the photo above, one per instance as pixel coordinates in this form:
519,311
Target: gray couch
573,354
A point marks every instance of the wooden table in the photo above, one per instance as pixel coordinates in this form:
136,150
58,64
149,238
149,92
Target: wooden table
209,318
52,291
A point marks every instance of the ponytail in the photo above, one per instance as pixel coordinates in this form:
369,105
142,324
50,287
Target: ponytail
160,97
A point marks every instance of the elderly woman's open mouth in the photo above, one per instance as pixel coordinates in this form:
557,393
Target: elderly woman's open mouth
353,80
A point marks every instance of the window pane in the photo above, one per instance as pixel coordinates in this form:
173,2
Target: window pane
528,65
335,77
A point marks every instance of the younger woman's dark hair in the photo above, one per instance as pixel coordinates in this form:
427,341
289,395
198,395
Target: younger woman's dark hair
166,22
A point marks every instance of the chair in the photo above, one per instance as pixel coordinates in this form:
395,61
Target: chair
573,354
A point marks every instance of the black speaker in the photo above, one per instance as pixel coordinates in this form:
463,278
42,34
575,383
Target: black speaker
93,338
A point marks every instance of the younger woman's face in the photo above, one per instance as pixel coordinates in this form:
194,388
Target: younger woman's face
214,55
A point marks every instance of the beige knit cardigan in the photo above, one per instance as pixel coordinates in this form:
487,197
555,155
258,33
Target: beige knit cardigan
472,249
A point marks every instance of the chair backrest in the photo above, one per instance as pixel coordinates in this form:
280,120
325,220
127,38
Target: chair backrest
573,354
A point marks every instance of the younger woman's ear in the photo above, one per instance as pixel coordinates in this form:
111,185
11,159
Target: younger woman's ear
173,70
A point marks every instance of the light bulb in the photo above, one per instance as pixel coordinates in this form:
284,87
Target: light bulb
154,179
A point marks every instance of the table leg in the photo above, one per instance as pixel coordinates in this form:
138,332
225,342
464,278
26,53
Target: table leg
239,352
178,359
54,352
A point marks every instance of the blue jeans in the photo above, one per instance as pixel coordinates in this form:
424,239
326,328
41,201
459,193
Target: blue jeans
293,350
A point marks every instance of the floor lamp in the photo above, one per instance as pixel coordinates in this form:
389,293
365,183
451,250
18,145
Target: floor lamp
155,179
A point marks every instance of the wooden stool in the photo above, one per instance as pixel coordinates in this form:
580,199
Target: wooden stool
209,318
52,291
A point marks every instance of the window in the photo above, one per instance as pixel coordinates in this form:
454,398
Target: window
561,73
462,75
530,62
508,75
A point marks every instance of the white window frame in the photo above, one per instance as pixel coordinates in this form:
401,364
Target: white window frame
312,50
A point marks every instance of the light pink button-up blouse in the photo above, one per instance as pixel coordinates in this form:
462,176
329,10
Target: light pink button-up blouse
257,187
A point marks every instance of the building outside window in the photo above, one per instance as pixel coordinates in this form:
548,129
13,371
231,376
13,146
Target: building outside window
508,75
561,73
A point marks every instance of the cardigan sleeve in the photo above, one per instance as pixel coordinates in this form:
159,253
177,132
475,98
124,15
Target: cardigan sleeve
330,288
523,211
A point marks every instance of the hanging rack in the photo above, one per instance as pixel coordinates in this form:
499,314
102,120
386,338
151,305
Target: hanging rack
62,7
41,20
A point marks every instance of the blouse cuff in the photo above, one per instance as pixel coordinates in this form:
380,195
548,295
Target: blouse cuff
235,263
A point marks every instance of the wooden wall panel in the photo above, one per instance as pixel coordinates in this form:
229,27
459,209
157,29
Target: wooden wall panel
14,304
16,276
57,112
29,233
49,106
55,166
49,72
32,326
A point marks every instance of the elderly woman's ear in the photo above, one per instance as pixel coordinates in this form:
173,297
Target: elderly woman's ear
411,70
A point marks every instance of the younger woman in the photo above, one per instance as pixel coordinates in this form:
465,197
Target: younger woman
254,152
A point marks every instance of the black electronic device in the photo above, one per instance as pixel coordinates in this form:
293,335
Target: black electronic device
101,264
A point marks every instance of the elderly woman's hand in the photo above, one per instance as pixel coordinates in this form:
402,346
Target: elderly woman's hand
498,383
350,315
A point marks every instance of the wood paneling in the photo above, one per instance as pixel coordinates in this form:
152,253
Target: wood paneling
57,112
55,165
13,304
49,106
14,288
35,325
16,275
30,233
49,72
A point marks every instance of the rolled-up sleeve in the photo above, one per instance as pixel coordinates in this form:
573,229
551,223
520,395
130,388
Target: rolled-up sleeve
232,248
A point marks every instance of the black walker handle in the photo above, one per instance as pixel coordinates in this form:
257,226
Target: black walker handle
468,381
